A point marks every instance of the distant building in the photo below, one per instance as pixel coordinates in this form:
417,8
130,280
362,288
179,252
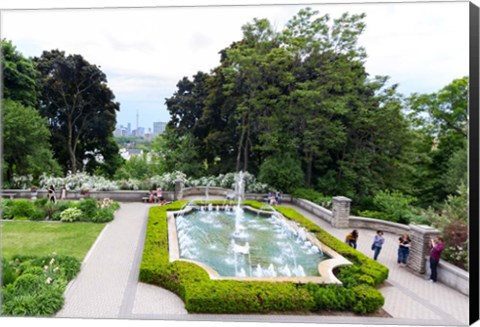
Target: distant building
159,128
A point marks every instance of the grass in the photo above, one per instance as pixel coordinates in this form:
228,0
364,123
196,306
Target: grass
42,238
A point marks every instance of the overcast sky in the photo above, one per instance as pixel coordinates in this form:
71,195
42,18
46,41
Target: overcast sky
146,51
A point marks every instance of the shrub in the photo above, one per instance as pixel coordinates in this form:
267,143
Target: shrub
332,297
103,215
313,196
71,215
60,207
38,214
40,202
368,299
23,208
282,172
88,208
38,285
6,207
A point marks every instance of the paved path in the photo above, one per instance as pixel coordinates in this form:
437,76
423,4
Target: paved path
108,287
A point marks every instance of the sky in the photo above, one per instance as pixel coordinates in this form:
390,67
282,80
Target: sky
145,51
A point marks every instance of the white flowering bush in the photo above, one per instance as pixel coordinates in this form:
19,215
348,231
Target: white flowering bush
21,182
130,184
228,181
79,181
70,215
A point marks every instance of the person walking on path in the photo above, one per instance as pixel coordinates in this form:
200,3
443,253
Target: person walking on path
378,241
51,194
437,247
351,239
403,249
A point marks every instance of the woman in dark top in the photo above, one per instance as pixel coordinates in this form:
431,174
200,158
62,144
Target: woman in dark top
403,249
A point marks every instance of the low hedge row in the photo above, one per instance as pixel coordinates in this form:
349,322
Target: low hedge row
34,286
203,295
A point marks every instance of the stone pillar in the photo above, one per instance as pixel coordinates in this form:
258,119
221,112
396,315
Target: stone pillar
420,248
178,195
340,212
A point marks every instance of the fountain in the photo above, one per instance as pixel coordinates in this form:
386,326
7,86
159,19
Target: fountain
236,242
242,244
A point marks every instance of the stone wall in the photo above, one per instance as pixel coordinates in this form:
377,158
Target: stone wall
451,275
314,208
377,224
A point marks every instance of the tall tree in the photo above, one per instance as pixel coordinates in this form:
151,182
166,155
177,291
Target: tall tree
78,104
26,147
19,76
441,121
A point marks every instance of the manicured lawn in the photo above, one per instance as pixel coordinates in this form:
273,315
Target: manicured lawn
44,238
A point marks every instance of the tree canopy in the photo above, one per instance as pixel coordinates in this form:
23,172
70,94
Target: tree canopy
80,109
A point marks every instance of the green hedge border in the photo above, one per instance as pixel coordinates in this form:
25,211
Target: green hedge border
203,295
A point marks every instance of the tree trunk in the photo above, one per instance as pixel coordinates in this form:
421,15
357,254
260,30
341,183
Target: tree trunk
240,144
308,177
71,149
245,151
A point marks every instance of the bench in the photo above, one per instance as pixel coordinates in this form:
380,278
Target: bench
9,195
146,198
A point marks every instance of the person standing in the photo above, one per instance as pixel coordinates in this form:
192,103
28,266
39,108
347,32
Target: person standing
403,249
436,247
378,242
51,194
351,239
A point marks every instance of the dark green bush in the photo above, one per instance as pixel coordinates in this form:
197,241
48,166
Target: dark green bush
103,215
9,273
23,209
284,172
313,196
368,299
35,285
332,297
88,207
6,208
40,202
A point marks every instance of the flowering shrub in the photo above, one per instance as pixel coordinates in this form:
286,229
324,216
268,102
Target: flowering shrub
83,181
71,215
228,181
79,181
21,182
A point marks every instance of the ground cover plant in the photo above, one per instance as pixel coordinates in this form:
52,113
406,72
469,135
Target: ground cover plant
200,294
34,285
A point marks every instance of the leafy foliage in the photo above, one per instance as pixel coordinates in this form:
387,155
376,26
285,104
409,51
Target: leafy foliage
34,286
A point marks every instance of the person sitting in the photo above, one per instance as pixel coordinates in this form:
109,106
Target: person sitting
160,197
151,197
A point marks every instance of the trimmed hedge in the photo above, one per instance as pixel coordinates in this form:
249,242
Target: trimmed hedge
203,295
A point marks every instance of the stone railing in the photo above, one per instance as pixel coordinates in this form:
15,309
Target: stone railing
121,196
451,275
314,208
